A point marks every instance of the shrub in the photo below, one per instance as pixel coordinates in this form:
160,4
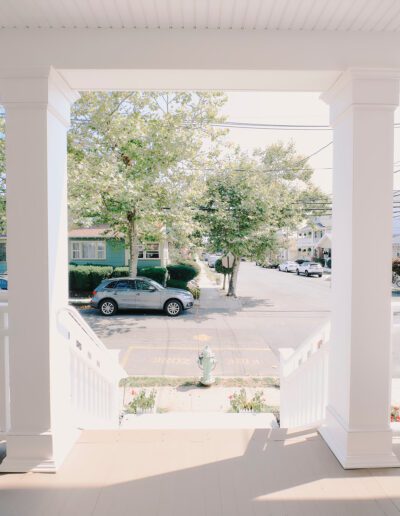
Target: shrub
85,278
396,266
240,403
142,401
194,289
177,284
155,273
221,269
120,272
184,271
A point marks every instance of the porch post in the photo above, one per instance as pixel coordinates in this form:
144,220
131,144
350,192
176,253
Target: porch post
37,106
357,427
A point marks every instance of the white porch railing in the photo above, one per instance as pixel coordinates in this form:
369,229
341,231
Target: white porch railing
304,375
4,370
304,381
94,374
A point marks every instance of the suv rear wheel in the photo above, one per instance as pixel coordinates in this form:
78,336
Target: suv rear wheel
108,307
173,307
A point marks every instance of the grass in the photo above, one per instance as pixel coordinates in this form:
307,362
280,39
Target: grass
173,381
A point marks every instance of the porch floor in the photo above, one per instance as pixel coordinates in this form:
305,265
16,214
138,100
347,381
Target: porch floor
202,473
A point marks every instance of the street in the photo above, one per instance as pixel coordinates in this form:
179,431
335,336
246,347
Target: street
273,310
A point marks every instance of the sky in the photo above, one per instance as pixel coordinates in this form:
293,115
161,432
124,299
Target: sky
290,108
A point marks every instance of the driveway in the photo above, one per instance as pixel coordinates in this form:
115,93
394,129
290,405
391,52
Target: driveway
274,310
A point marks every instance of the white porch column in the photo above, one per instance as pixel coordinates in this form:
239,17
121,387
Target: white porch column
357,426
37,117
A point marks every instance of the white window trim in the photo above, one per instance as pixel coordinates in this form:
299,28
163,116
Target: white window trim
80,244
143,247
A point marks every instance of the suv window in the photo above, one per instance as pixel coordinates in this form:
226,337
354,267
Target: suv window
125,284
143,285
112,284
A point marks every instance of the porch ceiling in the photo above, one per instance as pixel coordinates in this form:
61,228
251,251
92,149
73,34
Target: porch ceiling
307,15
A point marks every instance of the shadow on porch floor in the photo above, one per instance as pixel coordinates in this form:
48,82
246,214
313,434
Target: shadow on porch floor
201,473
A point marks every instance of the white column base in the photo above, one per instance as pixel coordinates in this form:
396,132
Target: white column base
36,453
358,448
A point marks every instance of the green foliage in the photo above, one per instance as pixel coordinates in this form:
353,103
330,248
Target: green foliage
240,403
194,289
155,273
221,269
185,271
120,272
396,266
142,401
85,278
129,155
174,283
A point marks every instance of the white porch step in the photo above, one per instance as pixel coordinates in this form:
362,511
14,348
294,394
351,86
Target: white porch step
198,420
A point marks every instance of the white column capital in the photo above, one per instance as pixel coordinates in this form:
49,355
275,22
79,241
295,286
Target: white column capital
363,88
37,88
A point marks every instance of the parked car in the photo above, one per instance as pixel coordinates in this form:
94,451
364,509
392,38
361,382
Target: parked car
141,293
212,258
288,266
310,269
3,283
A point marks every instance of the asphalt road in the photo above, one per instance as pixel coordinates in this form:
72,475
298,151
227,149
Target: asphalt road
274,310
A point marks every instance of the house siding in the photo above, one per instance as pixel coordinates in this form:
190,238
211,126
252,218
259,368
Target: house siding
115,255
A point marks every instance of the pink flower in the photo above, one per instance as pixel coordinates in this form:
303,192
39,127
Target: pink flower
230,397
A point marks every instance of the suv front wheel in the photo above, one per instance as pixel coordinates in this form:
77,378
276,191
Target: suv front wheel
108,307
173,307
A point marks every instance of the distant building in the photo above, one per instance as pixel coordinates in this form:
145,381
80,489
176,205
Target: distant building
314,240
100,246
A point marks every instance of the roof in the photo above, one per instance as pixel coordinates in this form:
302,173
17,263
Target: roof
325,241
94,232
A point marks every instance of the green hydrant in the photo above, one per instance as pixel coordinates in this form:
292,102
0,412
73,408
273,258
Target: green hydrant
207,362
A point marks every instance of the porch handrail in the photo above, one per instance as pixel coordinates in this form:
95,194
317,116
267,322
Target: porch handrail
304,380
94,373
304,376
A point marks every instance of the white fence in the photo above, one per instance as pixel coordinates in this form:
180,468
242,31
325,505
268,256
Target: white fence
304,381
94,374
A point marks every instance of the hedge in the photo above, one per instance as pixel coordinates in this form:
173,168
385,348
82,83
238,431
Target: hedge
177,284
85,278
155,273
184,271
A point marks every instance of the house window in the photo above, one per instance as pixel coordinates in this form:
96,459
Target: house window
88,250
152,251
3,256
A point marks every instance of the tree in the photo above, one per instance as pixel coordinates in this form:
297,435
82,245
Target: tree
249,198
133,161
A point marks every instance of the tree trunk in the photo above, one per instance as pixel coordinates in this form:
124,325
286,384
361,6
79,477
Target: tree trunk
223,285
233,278
133,246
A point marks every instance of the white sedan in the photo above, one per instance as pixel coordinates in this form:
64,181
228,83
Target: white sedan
310,269
288,266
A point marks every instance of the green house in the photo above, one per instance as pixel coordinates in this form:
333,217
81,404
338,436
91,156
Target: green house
98,246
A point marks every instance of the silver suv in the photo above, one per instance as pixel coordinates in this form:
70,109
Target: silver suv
139,292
